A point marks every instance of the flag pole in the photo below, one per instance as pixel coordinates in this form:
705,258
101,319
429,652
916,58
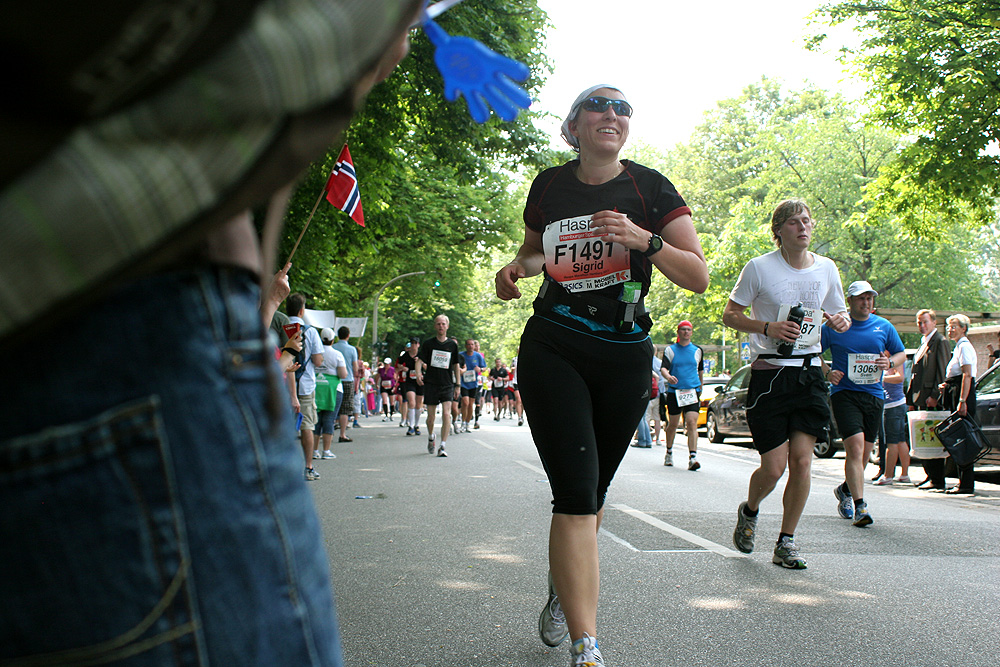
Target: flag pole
306,226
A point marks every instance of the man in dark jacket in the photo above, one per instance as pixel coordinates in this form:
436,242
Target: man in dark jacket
929,366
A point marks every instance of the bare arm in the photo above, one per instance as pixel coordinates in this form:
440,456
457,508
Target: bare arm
734,316
681,259
275,293
528,262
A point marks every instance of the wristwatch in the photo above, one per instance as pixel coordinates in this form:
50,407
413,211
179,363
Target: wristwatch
655,243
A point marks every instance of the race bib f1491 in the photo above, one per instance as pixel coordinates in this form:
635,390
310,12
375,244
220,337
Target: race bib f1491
577,257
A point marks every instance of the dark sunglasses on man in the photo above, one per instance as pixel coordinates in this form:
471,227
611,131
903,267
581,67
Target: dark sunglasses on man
601,104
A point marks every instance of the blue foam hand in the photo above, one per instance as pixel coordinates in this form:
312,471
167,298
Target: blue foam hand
482,76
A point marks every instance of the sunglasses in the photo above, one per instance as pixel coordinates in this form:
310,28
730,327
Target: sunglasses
601,104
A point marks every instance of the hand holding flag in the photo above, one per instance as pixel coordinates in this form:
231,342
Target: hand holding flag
341,190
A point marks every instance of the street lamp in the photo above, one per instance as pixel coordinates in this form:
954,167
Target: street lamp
375,314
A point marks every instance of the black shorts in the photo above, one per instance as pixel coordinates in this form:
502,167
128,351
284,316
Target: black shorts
606,400
857,412
497,392
784,400
436,394
674,409
470,392
411,385
663,407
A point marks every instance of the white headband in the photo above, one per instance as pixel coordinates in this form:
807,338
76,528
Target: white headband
575,109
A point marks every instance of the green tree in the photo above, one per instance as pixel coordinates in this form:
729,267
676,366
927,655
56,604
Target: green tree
767,145
932,73
434,185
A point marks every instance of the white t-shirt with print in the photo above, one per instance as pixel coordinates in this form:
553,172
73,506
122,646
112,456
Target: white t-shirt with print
768,282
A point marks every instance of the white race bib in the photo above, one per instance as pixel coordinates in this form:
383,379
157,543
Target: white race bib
468,376
686,397
580,260
809,336
862,369
440,358
386,384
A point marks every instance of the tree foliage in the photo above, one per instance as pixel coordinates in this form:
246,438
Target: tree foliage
434,186
932,70
767,145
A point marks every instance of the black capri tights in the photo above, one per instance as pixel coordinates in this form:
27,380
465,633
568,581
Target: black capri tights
584,396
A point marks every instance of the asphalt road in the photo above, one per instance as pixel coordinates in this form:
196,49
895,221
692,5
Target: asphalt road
442,563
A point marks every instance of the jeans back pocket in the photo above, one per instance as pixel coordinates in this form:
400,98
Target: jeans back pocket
93,563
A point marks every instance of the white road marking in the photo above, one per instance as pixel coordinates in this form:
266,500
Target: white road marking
679,532
530,467
484,444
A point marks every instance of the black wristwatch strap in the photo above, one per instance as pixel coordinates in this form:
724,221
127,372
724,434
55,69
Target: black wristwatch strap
655,244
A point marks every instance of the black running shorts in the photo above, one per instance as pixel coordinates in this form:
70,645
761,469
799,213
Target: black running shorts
583,430
857,412
674,409
436,394
783,400
411,385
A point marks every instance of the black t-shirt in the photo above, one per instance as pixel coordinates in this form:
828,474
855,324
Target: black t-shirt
643,194
497,374
410,365
438,359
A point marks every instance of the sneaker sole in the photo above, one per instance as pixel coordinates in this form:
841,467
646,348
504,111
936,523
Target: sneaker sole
796,565
864,521
736,532
838,494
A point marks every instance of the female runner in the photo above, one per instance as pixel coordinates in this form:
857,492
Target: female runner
596,227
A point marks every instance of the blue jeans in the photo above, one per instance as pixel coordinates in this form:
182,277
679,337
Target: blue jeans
154,510
642,433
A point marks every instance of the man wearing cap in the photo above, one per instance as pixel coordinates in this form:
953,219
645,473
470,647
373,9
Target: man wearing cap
329,393
312,354
860,356
412,393
683,368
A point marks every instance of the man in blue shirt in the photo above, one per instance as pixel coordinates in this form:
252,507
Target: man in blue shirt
860,356
683,368
473,363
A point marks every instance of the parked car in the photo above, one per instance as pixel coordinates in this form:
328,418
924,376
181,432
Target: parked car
727,415
988,412
708,389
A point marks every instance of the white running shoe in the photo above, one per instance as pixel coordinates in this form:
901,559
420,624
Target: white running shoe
552,621
329,455
584,653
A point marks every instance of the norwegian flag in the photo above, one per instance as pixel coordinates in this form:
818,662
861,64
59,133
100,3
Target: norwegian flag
342,188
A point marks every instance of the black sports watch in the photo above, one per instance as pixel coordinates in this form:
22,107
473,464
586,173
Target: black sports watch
655,243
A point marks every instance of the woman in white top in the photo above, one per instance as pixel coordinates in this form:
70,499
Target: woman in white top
959,389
